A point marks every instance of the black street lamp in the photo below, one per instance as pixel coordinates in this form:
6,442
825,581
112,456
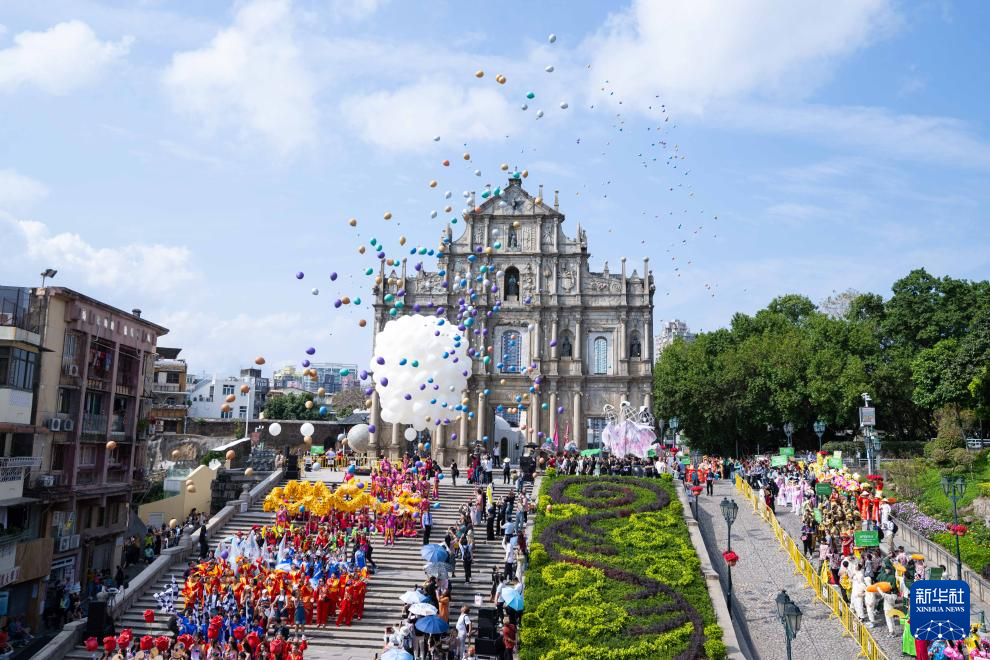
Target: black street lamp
790,616
954,489
673,423
789,432
729,511
819,427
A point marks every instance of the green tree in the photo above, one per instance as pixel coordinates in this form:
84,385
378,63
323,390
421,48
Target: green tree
291,406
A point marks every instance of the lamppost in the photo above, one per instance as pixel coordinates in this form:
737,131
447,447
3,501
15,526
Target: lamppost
873,444
954,489
674,423
790,616
47,274
819,427
789,432
729,511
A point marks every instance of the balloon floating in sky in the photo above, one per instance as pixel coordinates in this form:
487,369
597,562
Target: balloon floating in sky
259,360
413,395
552,38
388,215
563,105
500,79
299,275
479,74
549,69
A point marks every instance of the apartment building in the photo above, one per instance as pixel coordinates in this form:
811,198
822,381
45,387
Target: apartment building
208,396
332,377
87,368
170,400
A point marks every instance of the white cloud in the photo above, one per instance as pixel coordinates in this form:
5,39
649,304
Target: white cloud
911,137
694,52
140,267
17,189
355,10
250,76
64,57
409,117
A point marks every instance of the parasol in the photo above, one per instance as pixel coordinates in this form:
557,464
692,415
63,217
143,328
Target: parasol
432,625
413,597
434,552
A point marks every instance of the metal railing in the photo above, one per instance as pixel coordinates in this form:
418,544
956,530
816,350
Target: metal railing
33,462
869,648
94,423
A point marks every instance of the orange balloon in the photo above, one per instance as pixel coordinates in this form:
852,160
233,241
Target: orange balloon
388,215
352,222
230,398
362,323
245,388
231,455
259,360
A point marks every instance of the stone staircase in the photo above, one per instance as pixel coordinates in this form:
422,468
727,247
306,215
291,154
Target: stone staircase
399,569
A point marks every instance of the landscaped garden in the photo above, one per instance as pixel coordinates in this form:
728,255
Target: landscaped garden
613,575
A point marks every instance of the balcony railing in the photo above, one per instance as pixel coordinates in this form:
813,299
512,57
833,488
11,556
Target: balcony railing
167,387
94,423
13,535
33,462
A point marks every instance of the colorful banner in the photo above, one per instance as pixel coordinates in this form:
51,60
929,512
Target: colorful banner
787,451
778,461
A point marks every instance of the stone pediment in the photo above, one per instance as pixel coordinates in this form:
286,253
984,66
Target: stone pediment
514,200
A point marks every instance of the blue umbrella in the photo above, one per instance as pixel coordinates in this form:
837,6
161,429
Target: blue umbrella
432,625
512,598
434,553
396,654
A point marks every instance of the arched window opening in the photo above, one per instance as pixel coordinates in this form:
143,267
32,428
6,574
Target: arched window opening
635,347
601,355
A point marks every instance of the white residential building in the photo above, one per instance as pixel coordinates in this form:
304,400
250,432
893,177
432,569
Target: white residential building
208,394
669,331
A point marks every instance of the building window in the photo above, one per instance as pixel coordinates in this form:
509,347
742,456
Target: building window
94,403
17,368
635,347
172,377
87,455
566,348
226,414
511,349
595,427
64,401
228,389
601,356
512,283
170,401
242,411
70,345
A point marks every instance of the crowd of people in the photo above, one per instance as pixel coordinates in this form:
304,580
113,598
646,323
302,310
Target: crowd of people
256,594
504,519
833,504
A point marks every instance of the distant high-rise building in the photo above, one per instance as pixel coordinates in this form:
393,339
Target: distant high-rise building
669,331
329,376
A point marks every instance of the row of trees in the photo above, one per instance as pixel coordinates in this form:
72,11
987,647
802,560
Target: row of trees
923,350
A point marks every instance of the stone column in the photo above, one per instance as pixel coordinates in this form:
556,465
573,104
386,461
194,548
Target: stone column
578,345
553,339
577,433
481,416
623,354
553,414
534,401
462,440
376,421
395,449
439,445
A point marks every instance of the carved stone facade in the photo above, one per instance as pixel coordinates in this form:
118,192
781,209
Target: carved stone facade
588,334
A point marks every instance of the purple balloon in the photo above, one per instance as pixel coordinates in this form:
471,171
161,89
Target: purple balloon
380,360
310,350
553,342
333,277
363,374
305,363
371,428
300,275
384,382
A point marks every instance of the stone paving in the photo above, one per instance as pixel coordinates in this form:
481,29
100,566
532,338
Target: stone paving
763,570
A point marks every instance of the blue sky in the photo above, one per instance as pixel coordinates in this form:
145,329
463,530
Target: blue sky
188,158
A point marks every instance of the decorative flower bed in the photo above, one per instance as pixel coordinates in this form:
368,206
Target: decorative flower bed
613,575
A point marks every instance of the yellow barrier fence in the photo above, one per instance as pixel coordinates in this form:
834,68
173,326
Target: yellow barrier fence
853,626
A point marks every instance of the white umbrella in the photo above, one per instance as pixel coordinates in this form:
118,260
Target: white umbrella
439,570
423,609
413,597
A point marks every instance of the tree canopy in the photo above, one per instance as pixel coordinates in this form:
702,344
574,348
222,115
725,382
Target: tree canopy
924,348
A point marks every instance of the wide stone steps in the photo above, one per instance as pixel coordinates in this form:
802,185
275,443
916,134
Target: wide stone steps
399,569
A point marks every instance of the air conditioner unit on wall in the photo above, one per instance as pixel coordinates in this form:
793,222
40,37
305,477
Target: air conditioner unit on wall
54,424
63,543
73,369
68,425
46,480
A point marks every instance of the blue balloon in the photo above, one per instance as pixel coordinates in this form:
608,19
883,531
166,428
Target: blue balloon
440,476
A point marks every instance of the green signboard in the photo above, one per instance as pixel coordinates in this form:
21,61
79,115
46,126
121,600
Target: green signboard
869,539
685,461
787,451
777,461
835,463
823,490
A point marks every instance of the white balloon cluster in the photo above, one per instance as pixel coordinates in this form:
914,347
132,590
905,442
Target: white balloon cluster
420,369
